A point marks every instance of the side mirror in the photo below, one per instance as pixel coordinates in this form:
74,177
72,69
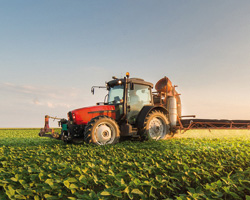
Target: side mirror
93,90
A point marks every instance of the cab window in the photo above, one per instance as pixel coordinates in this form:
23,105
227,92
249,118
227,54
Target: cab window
116,94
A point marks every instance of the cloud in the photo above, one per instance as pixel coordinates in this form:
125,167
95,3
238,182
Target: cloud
46,98
50,97
36,102
16,88
53,105
50,105
48,91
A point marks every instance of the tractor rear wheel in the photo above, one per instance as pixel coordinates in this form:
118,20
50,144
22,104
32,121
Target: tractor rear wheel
156,126
102,130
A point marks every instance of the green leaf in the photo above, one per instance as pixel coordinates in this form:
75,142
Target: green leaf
14,179
151,193
11,191
48,196
247,197
123,182
71,180
81,177
136,191
83,180
117,194
73,186
105,193
137,181
41,176
66,183
235,196
126,190
49,182
158,178
72,198
20,196
36,198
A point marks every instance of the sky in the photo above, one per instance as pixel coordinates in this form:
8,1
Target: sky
53,52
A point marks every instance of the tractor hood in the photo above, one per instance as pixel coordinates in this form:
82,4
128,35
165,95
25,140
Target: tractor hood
82,116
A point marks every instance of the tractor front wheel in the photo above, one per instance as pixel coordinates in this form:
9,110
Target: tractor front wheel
156,126
102,130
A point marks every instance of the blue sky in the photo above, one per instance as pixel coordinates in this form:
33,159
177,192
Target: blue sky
52,52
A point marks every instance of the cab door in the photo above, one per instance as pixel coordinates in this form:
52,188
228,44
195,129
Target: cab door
138,97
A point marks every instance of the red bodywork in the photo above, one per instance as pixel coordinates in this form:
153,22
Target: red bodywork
84,115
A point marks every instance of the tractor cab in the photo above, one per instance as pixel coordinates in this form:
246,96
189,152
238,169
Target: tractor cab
129,95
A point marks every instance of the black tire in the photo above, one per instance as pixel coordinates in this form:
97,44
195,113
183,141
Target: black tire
102,130
156,126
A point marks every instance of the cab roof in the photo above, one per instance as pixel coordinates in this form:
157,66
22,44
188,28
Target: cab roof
130,80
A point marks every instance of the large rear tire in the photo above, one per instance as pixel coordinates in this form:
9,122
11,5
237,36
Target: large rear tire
156,126
102,130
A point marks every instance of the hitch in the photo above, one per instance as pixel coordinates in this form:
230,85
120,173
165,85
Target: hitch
43,131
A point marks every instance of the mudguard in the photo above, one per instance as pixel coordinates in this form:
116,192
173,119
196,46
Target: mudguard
145,111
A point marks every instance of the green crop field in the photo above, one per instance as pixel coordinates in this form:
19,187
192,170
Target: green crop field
194,165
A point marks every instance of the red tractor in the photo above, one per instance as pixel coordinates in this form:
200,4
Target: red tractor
130,110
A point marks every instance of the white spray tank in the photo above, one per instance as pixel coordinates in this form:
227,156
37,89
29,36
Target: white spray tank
172,109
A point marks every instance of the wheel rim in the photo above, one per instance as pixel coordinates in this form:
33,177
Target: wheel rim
157,129
104,133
